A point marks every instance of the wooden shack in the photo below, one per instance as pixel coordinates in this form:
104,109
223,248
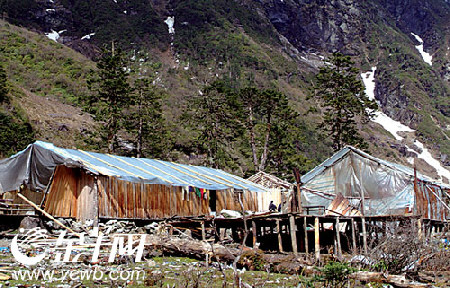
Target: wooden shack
278,190
87,185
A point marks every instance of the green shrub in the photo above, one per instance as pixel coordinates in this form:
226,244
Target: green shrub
335,274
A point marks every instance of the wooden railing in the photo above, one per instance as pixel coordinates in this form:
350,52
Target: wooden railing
9,208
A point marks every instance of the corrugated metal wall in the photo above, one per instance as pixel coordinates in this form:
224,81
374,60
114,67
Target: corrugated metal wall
431,200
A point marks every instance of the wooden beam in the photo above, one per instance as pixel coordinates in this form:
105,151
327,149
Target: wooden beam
305,228
316,239
46,214
419,228
293,229
338,239
280,240
203,231
298,196
254,233
363,224
353,236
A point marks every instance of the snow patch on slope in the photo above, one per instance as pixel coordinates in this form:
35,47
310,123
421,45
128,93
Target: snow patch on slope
170,21
426,56
88,36
393,127
389,124
426,155
54,35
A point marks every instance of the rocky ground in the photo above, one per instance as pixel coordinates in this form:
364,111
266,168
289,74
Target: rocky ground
202,264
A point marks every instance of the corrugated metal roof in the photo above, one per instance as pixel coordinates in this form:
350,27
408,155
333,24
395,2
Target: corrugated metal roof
343,152
151,171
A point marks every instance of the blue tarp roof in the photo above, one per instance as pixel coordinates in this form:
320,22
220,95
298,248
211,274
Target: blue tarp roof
150,171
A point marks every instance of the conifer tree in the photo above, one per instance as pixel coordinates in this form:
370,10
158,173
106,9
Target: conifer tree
147,120
264,112
340,92
113,94
214,118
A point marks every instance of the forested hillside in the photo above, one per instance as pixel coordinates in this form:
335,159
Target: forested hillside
202,57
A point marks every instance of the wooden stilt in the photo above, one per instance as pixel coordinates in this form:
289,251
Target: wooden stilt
353,236
338,239
363,224
293,228
203,231
419,229
222,234
280,240
305,228
254,233
316,239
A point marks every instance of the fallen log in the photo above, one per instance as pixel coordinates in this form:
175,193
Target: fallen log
202,250
395,280
191,248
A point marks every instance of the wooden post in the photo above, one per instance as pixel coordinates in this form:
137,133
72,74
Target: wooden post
317,239
203,231
305,228
254,232
293,230
353,236
338,240
222,233
363,224
419,228
280,240
298,195
96,203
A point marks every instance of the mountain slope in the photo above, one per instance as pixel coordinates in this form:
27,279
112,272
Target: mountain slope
46,79
274,43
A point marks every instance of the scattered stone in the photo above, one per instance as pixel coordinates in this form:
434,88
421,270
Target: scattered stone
31,222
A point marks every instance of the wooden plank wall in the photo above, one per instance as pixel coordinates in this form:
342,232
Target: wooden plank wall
61,201
85,205
72,195
35,197
121,199
273,194
227,199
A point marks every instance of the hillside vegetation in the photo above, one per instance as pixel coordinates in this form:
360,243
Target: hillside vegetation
45,81
266,44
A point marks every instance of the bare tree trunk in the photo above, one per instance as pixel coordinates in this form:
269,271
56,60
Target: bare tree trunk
139,136
252,138
262,165
139,140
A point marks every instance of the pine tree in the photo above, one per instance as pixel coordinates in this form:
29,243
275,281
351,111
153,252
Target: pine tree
214,120
147,120
267,115
113,94
340,92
